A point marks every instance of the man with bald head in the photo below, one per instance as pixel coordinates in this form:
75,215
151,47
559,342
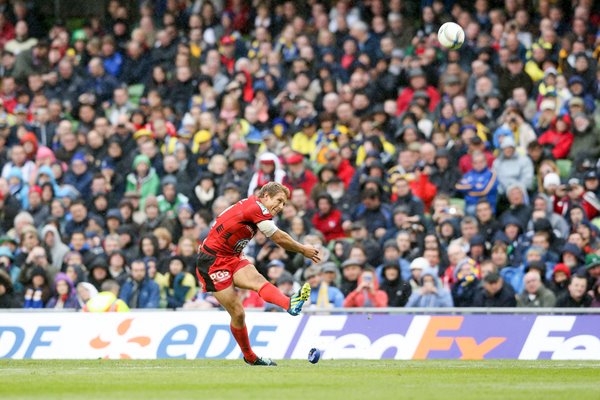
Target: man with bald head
535,294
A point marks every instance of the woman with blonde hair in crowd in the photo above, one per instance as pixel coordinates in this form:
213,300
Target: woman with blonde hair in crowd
546,167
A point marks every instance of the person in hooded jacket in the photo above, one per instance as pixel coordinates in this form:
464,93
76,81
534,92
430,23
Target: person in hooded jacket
367,292
397,290
561,275
558,137
431,293
98,272
65,295
56,247
466,283
37,290
495,293
268,170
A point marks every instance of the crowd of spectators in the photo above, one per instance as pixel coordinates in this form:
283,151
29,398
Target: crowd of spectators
425,177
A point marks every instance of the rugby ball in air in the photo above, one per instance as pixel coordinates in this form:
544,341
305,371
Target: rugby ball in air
451,35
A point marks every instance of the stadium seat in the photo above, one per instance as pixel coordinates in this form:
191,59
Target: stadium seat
458,203
135,93
564,168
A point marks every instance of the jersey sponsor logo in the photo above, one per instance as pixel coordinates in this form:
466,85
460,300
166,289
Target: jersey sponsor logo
263,208
220,276
239,246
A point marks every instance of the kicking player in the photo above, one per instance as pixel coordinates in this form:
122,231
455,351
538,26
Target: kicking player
221,265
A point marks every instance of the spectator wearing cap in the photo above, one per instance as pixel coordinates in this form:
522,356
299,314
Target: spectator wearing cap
417,82
478,183
561,275
268,170
558,138
169,199
305,141
351,270
322,294
397,289
328,219
445,173
79,175
139,291
513,76
143,179
240,171
592,269
576,295
535,293
591,183
586,137
512,168
298,176
577,87
495,293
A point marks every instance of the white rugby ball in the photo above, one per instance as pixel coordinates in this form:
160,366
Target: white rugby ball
451,35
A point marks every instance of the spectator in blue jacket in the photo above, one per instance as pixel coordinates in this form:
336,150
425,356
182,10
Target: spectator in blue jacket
139,291
480,182
431,293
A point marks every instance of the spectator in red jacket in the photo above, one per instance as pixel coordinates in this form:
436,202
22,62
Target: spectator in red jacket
367,293
345,171
298,176
418,82
422,187
559,137
328,219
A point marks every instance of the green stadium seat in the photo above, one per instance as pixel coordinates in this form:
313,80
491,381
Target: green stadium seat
135,93
564,168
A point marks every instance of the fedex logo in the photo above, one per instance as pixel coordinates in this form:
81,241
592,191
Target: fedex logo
425,334
545,338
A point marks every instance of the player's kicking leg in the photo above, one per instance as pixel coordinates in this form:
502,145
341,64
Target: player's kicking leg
249,278
232,304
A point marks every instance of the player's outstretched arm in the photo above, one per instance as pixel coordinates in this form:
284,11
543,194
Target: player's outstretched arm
284,240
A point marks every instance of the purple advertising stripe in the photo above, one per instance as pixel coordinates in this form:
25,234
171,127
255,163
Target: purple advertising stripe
297,334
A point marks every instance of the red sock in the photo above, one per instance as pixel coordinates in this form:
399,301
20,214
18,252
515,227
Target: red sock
273,295
241,337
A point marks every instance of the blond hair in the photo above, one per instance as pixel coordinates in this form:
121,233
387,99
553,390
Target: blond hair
272,189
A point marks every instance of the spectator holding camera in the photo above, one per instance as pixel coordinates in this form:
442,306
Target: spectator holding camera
430,294
367,292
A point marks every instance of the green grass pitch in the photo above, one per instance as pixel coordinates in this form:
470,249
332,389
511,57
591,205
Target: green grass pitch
348,379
